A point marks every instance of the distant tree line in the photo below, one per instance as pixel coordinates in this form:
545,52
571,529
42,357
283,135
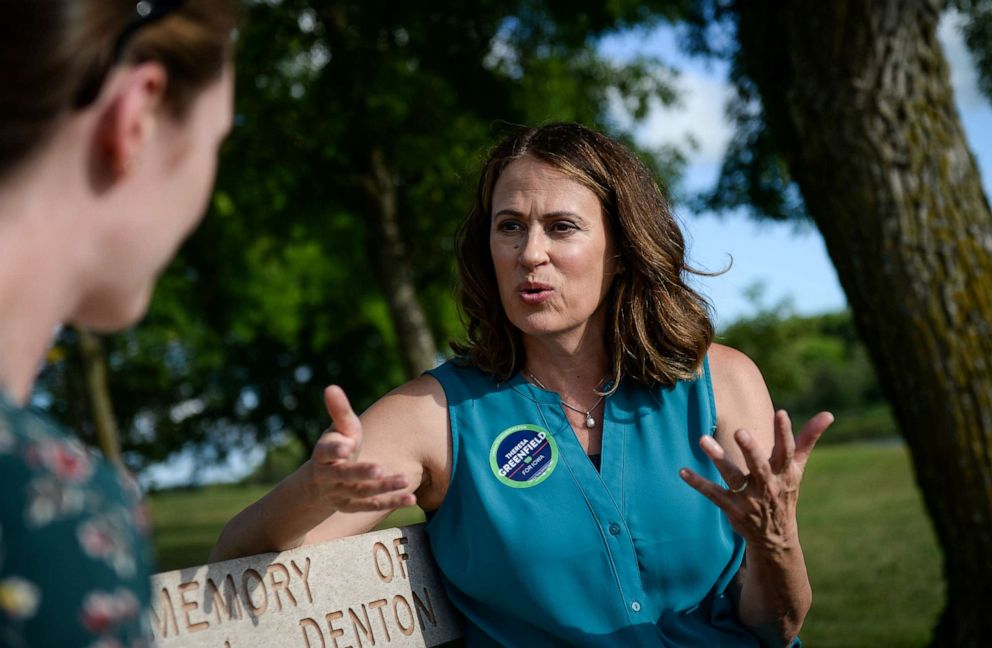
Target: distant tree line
813,363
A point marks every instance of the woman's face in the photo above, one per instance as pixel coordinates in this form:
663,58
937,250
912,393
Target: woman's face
551,250
160,206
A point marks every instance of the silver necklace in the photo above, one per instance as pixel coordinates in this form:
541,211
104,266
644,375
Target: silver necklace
590,420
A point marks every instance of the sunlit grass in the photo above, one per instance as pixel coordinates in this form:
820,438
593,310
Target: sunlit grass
188,521
870,550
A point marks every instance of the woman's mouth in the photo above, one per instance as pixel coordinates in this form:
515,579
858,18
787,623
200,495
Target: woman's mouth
534,293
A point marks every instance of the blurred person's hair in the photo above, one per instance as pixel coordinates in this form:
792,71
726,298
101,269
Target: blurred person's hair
55,56
658,329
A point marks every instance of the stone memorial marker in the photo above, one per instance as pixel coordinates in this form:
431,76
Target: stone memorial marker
377,589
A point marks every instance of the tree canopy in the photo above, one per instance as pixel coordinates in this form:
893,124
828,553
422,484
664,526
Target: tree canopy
327,255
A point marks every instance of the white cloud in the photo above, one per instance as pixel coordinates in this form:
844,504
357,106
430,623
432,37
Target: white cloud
702,89
964,76
699,117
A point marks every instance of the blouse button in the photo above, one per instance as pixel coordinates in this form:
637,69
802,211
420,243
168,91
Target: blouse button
635,606
614,528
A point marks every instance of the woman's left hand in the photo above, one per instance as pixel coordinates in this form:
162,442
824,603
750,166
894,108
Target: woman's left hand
761,502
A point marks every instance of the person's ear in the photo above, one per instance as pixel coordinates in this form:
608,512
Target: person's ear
130,118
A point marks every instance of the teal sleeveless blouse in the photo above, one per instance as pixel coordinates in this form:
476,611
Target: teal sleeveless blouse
538,548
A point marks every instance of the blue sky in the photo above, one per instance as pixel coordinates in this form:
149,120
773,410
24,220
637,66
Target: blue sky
790,263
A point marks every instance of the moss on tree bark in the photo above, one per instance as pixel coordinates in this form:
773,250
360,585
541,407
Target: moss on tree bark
858,97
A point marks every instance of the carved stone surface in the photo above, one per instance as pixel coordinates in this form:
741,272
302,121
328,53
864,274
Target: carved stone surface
377,589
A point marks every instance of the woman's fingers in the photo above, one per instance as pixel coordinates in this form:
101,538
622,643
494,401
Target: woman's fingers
785,443
352,471
810,434
368,488
363,494
378,503
334,446
713,492
731,473
345,420
343,440
357,478
761,504
350,485
757,464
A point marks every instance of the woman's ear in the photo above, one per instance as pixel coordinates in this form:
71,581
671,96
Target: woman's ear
130,117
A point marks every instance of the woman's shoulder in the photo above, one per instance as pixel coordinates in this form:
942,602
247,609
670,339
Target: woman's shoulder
39,443
38,451
23,423
462,380
61,503
423,392
407,431
411,415
742,399
420,406
732,368
737,383
464,367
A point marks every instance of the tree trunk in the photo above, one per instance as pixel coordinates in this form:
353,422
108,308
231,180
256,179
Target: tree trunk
858,97
98,395
389,251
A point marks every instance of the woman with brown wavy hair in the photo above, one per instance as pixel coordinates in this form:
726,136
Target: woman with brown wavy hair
111,115
552,454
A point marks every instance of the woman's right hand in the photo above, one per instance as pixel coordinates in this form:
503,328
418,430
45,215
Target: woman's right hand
338,478
302,508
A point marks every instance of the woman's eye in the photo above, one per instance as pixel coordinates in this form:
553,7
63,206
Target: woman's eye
508,226
562,227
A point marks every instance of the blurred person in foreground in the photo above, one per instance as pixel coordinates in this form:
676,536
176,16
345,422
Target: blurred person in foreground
552,453
111,115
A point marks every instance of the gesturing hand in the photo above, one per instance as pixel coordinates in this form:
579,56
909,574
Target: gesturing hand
761,504
339,478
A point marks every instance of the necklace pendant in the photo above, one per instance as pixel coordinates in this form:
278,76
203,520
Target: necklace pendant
590,421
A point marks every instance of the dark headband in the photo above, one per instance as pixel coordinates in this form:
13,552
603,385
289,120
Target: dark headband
146,12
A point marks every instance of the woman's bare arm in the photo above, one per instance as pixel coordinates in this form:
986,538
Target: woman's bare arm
763,465
361,469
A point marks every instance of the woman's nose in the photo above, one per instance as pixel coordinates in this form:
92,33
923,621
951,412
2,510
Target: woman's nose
535,250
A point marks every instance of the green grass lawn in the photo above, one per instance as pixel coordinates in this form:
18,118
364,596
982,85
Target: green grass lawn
871,553
188,521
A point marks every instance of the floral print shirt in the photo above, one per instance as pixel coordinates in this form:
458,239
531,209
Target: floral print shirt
74,557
